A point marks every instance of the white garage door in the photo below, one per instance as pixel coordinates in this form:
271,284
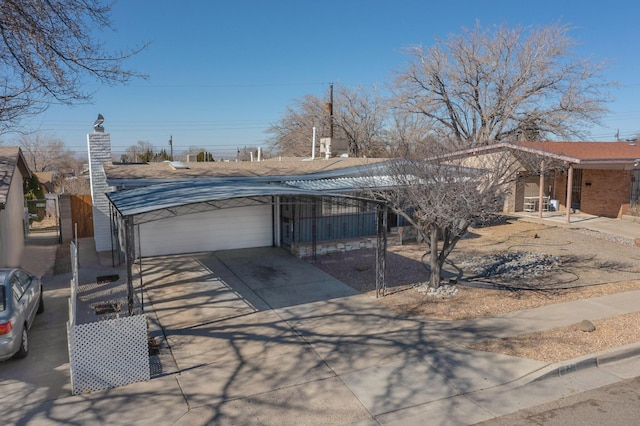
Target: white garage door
234,228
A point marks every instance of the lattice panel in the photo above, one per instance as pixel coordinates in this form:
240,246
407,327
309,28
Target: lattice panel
108,353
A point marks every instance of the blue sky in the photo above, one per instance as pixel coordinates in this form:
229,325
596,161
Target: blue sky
221,71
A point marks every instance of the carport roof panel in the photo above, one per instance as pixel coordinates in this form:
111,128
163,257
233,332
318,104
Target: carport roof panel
167,195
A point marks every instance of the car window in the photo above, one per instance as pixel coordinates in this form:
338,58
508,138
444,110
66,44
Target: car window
3,299
16,287
24,279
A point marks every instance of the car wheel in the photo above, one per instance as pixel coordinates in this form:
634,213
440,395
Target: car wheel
24,344
40,302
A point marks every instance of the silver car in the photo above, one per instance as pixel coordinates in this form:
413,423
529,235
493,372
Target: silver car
20,300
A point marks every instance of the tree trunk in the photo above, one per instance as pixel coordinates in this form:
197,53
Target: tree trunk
436,267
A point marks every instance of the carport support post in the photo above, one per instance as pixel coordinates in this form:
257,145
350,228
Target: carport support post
314,230
541,193
130,248
381,250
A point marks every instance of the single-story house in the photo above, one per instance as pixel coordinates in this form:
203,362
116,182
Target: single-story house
598,178
309,206
13,171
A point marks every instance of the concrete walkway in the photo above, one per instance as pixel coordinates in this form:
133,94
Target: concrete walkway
260,337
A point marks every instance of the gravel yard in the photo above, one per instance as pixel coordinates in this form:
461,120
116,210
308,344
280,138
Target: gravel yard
508,267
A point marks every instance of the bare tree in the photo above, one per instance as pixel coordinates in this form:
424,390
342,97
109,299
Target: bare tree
443,195
74,185
407,135
46,49
360,116
292,135
44,153
199,153
501,84
142,151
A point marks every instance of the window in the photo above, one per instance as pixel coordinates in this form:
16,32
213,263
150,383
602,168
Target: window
3,299
16,287
24,279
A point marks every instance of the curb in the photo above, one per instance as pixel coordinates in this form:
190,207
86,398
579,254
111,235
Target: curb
588,361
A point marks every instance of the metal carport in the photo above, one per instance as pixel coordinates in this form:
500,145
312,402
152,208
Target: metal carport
131,208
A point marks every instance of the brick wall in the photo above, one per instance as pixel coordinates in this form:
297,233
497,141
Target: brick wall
604,192
100,152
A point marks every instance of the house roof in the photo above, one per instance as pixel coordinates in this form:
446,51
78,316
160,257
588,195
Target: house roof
10,158
46,180
605,155
149,173
590,151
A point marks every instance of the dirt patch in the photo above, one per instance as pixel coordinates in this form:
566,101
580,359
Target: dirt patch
585,265
62,264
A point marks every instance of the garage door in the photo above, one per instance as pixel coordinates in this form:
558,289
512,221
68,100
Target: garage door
234,228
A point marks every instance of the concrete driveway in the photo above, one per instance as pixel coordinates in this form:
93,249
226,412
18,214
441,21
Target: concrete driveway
259,336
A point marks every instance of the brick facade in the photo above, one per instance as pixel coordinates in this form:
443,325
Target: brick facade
605,192
99,145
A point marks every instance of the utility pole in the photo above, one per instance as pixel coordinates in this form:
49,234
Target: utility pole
171,145
331,110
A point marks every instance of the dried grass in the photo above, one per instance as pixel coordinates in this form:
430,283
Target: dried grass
594,266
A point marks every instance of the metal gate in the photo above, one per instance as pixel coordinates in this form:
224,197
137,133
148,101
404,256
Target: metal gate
43,215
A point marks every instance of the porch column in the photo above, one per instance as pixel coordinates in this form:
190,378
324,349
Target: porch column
541,193
569,190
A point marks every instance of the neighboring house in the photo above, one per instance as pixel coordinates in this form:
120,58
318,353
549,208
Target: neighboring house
13,172
46,182
598,178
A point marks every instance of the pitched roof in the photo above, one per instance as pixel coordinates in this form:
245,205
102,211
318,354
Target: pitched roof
10,158
583,154
590,151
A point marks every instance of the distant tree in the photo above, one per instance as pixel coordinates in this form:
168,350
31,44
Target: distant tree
199,153
292,134
246,153
45,153
162,155
73,185
358,117
503,84
141,152
406,135
47,48
203,156
33,189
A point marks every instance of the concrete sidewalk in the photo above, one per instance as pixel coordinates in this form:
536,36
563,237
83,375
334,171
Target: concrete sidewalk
627,228
259,337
